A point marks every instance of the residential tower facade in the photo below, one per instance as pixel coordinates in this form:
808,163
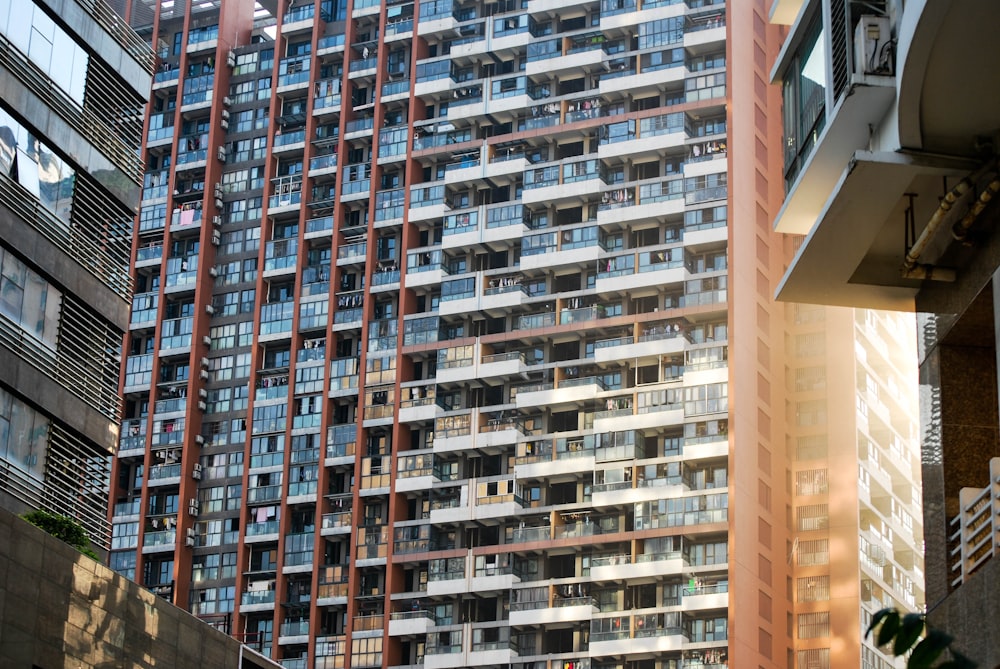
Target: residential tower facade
454,343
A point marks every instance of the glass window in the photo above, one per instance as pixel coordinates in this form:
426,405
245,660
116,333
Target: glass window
28,300
804,93
24,435
25,159
47,45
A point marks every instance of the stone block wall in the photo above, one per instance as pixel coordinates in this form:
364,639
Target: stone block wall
59,608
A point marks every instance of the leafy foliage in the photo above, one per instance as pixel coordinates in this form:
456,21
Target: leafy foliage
62,527
909,633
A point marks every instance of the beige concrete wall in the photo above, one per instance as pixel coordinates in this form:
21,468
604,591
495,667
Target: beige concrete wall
758,536
59,608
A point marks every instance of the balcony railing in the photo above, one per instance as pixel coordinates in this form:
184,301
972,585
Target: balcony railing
974,534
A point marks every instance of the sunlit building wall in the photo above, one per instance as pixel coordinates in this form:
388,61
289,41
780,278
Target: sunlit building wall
890,168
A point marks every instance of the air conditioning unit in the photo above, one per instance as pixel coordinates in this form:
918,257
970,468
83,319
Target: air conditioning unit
206,340
202,406
217,220
218,188
193,508
224,124
231,58
189,542
873,46
216,238
204,375
219,204
209,309
200,440
227,101
204,363
225,114
213,272
196,472
221,154
202,394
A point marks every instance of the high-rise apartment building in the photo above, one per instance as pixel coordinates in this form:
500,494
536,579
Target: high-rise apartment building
73,83
454,344
854,476
891,151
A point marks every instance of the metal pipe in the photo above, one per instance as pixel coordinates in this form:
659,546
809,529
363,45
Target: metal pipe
929,272
961,229
947,202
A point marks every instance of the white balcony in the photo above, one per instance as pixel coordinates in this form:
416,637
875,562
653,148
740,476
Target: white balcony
700,601
462,173
653,210
449,586
502,510
468,49
585,255
257,607
410,623
670,640
563,395
627,19
643,146
719,233
454,514
624,283
640,81
495,657
853,254
421,412
714,448
624,568
517,41
411,483
203,45
433,86
463,306
494,582
584,610
549,468
703,376
451,660
494,435
429,212
445,24
558,192
506,168
701,37
549,6
494,302
589,60
501,365
431,277
455,373
635,495
454,443
630,349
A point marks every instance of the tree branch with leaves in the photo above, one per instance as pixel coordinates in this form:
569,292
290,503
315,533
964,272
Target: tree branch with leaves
909,633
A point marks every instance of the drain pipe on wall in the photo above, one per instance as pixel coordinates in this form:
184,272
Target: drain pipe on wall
911,267
961,229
